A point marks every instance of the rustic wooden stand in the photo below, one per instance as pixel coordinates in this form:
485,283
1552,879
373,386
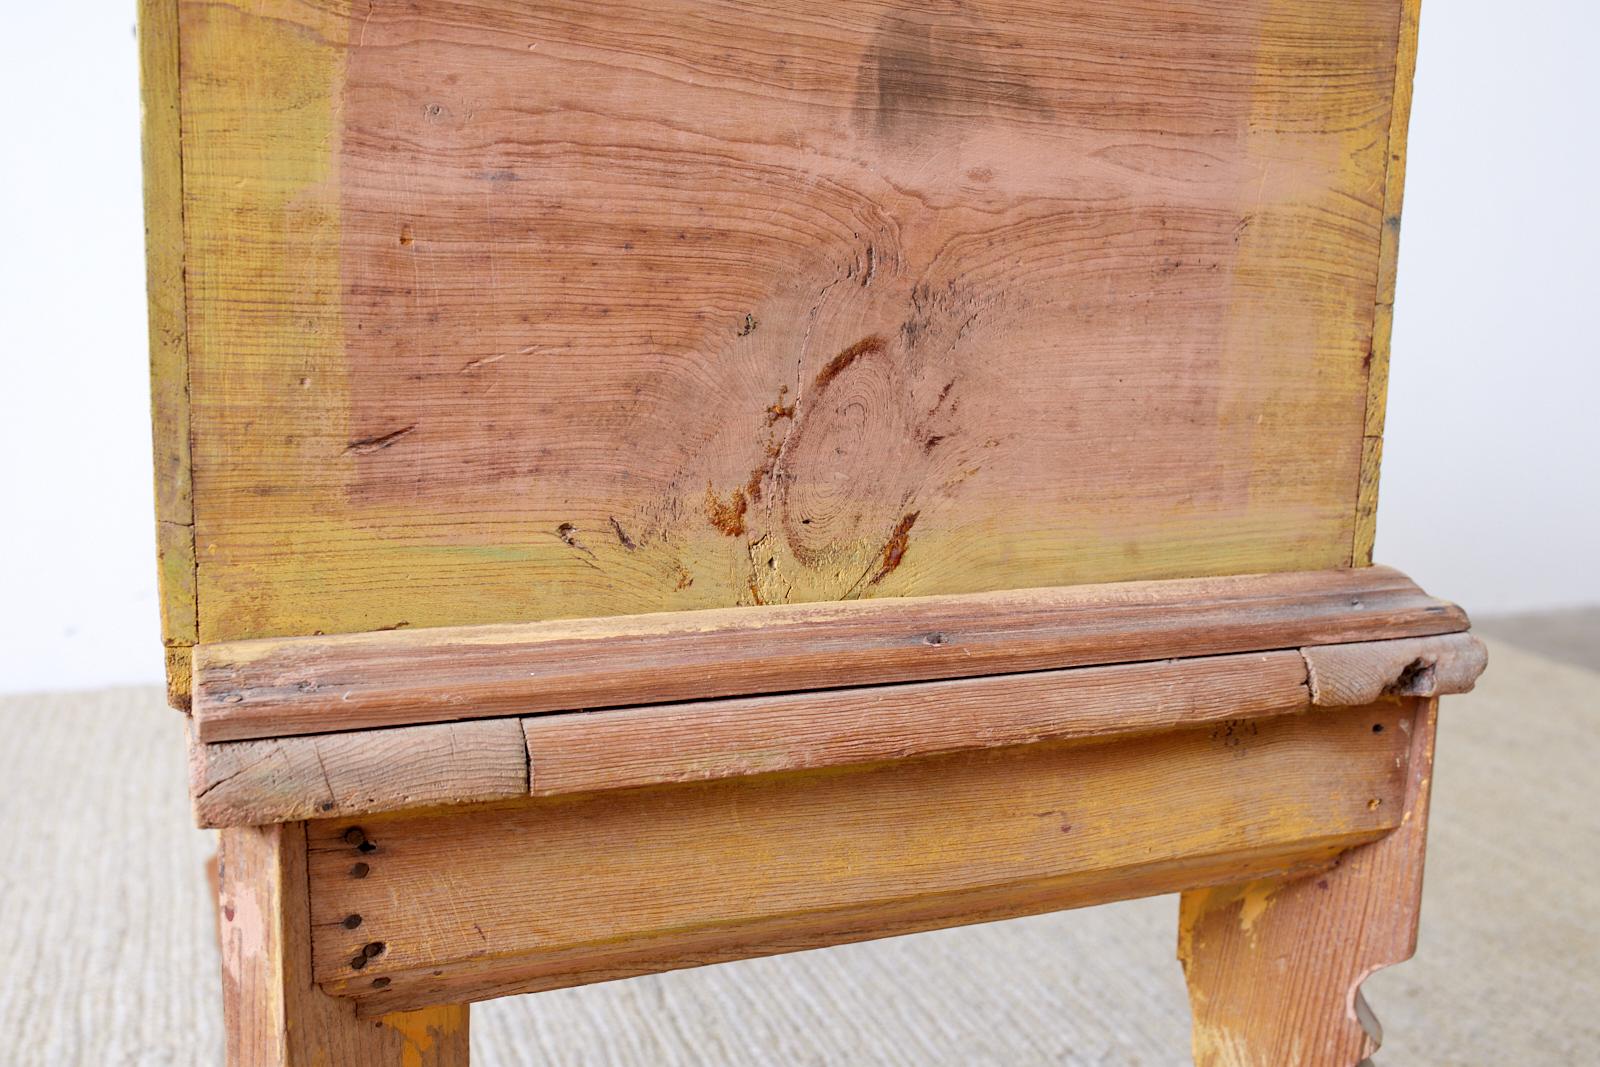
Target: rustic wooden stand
641,487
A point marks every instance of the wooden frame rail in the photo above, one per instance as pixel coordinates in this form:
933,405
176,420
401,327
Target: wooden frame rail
842,706
239,783
486,834
467,903
280,687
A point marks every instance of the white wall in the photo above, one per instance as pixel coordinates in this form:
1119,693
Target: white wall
1490,492
77,539
1491,466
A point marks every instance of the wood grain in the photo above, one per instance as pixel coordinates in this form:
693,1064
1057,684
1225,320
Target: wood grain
280,687
169,360
365,771
369,771
275,1015
730,738
247,783
543,892
1365,672
1275,966
500,313
1388,267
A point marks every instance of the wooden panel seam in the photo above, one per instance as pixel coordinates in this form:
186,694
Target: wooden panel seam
1388,264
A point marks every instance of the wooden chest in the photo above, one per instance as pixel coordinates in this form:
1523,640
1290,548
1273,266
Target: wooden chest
711,477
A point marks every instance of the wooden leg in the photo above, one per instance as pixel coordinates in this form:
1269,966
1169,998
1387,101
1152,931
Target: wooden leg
276,1016
1275,966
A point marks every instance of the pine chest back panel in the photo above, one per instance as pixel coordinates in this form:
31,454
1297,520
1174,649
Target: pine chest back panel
497,311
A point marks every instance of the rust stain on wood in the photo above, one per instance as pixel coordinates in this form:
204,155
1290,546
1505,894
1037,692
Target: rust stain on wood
836,366
894,549
727,515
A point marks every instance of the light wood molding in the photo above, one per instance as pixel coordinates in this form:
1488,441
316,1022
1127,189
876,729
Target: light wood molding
248,783
1366,671
353,772
346,774
285,686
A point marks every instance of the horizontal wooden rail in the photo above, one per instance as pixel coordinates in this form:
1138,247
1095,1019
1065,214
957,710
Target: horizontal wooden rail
468,903
288,686
366,771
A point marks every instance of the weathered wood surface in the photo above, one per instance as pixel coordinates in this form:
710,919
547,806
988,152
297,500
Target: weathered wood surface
1275,965
276,1016
1364,672
169,366
503,313
248,783
1388,268
364,771
284,686
553,891
803,731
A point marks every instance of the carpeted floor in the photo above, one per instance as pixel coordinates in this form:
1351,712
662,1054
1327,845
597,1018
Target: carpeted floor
107,955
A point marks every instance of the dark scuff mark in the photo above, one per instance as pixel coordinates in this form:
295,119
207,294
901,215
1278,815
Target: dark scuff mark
569,537
874,345
894,549
622,535
368,445
1415,680
925,71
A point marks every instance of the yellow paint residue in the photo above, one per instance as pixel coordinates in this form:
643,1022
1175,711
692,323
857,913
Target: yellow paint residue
420,1032
261,87
1257,898
1306,150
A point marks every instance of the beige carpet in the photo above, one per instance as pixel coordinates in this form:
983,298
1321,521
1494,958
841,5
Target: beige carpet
107,955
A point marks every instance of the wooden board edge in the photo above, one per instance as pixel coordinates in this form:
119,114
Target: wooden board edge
364,772
1388,266
329,776
325,684
162,150
510,976
1364,673
685,867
